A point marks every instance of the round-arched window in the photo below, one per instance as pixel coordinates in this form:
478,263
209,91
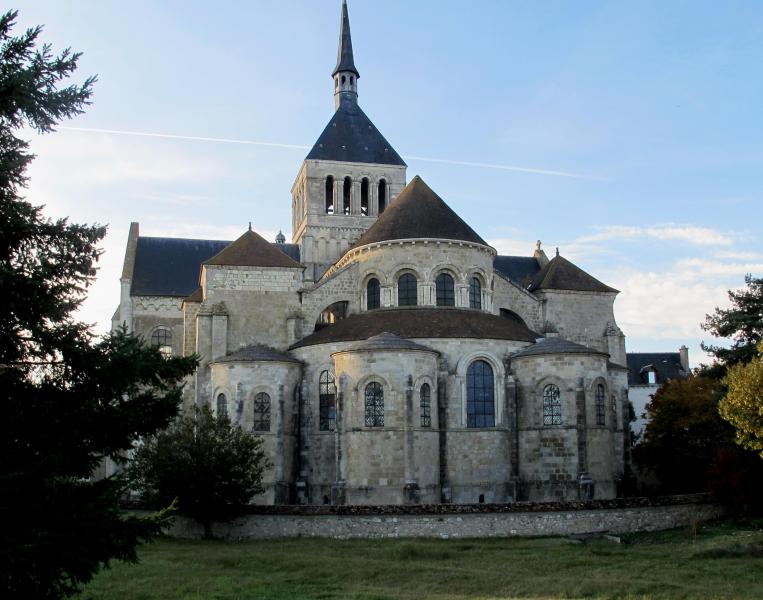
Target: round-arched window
374,405
161,338
407,290
475,293
425,396
600,405
261,412
480,395
552,406
222,405
373,294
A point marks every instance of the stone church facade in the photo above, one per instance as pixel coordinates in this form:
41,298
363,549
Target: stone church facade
388,354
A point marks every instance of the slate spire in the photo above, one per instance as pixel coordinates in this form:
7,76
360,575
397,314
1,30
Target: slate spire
345,60
345,74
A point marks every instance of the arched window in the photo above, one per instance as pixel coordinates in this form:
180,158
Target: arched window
374,405
480,396
446,295
407,290
425,394
600,400
261,412
382,195
364,196
331,314
373,294
552,406
222,405
475,293
344,79
161,338
329,195
327,401
346,195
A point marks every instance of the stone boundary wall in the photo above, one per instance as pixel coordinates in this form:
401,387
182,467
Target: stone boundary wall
518,519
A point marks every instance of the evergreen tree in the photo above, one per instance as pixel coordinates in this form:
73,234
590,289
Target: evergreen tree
69,400
209,466
743,322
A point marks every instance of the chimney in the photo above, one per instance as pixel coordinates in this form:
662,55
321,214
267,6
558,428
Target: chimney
540,255
683,352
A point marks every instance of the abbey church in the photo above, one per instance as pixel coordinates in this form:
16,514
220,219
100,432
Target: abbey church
388,354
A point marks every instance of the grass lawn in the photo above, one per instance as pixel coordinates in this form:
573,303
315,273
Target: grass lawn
722,561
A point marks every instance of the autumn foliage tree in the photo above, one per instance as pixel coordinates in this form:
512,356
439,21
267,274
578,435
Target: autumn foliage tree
69,400
743,404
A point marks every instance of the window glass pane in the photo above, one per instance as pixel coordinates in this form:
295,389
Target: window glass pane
475,293
374,405
552,406
480,395
426,405
600,405
222,405
407,290
261,412
327,402
445,290
373,293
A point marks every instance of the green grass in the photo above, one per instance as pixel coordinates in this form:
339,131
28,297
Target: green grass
718,561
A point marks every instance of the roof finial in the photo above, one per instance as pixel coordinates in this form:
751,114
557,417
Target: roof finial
557,250
250,225
345,75
537,246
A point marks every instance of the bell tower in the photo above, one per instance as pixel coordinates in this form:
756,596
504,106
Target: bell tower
348,178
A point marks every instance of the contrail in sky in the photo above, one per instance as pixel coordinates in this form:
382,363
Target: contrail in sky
462,163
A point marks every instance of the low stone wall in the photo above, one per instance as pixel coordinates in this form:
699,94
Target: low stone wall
457,521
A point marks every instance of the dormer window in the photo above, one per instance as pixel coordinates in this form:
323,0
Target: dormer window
651,377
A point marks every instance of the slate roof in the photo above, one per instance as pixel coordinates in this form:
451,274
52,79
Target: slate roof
350,136
386,341
561,274
418,212
256,353
252,250
419,322
519,269
556,345
170,266
345,60
667,365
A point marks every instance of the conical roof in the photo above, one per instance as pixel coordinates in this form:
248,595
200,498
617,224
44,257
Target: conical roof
419,213
386,341
350,136
555,345
252,250
345,60
561,274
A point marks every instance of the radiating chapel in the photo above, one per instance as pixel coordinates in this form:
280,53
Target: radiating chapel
389,355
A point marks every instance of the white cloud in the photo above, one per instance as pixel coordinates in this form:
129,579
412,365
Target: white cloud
738,255
690,234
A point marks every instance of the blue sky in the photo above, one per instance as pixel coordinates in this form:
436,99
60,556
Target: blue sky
650,110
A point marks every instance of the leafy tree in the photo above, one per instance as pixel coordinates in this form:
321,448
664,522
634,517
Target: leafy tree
68,399
743,322
208,465
683,433
743,404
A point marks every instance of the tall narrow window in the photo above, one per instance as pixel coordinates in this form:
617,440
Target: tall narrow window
364,196
425,395
222,405
480,395
475,293
261,412
161,338
373,294
327,401
329,195
374,405
382,195
446,295
599,402
346,195
552,406
407,290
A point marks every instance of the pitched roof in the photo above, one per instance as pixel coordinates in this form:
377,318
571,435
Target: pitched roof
252,250
170,266
666,365
350,136
345,60
386,341
519,269
555,345
561,274
419,213
257,353
419,322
